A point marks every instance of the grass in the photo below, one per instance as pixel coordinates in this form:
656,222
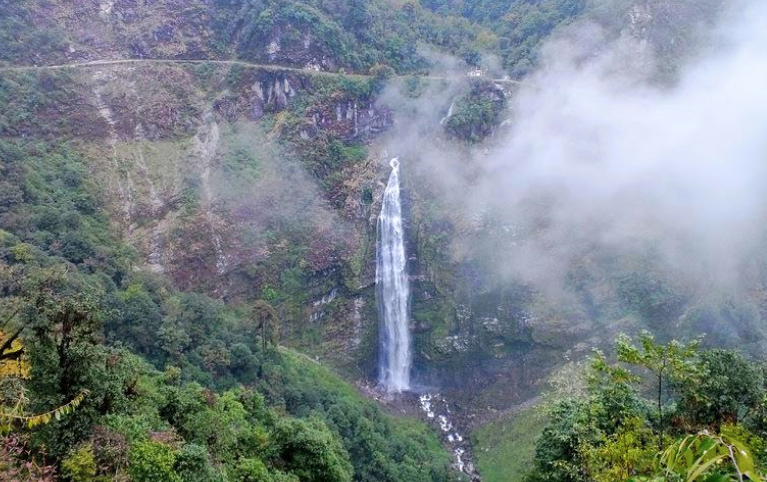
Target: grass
505,447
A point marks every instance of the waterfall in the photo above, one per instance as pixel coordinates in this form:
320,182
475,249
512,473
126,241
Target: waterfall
392,290
449,113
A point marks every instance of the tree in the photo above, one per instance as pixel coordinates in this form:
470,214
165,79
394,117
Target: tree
308,449
606,436
222,426
356,18
151,462
15,364
726,389
216,357
67,324
381,75
250,470
76,247
628,453
193,464
138,319
474,115
559,454
173,339
612,395
673,360
10,196
267,322
68,362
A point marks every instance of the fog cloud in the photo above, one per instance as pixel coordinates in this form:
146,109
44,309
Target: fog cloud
600,155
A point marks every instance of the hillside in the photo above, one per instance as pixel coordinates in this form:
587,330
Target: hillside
208,175
312,34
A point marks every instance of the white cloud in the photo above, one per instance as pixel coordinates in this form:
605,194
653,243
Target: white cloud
609,159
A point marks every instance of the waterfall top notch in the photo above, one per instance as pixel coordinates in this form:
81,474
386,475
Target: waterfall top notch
394,163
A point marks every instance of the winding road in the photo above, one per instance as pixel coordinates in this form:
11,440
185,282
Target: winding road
241,63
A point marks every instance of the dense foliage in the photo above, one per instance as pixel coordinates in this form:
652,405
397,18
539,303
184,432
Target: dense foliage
520,25
662,412
143,382
20,41
474,116
408,36
355,34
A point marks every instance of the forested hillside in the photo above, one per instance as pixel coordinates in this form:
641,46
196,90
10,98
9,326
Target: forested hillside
323,35
137,344
189,201
76,392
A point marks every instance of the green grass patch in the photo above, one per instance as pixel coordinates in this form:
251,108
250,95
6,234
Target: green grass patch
504,448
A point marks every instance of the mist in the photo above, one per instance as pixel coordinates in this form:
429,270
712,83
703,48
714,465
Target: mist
601,155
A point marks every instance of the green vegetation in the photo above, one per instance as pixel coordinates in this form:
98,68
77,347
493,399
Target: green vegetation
19,40
357,35
110,372
661,412
159,421
475,115
520,25
506,446
185,388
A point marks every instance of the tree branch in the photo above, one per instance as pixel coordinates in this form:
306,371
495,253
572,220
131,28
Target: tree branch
9,342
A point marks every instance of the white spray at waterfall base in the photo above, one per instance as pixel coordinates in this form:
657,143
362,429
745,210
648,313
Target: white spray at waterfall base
438,414
393,290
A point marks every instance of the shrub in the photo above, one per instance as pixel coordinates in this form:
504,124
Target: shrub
80,466
152,462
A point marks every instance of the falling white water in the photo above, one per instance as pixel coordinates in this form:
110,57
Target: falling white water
392,290
438,413
449,113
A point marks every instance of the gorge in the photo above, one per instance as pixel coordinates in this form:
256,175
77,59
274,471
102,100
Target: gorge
212,270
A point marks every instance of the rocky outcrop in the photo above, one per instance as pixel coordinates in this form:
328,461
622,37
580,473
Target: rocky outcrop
348,119
289,44
260,92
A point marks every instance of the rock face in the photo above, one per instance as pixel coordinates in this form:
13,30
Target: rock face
347,119
213,178
475,115
667,31
293,45
206,170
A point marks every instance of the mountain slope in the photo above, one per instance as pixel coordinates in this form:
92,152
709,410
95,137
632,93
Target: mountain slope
188,192
322,35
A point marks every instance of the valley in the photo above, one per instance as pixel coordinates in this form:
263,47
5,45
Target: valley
215,177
